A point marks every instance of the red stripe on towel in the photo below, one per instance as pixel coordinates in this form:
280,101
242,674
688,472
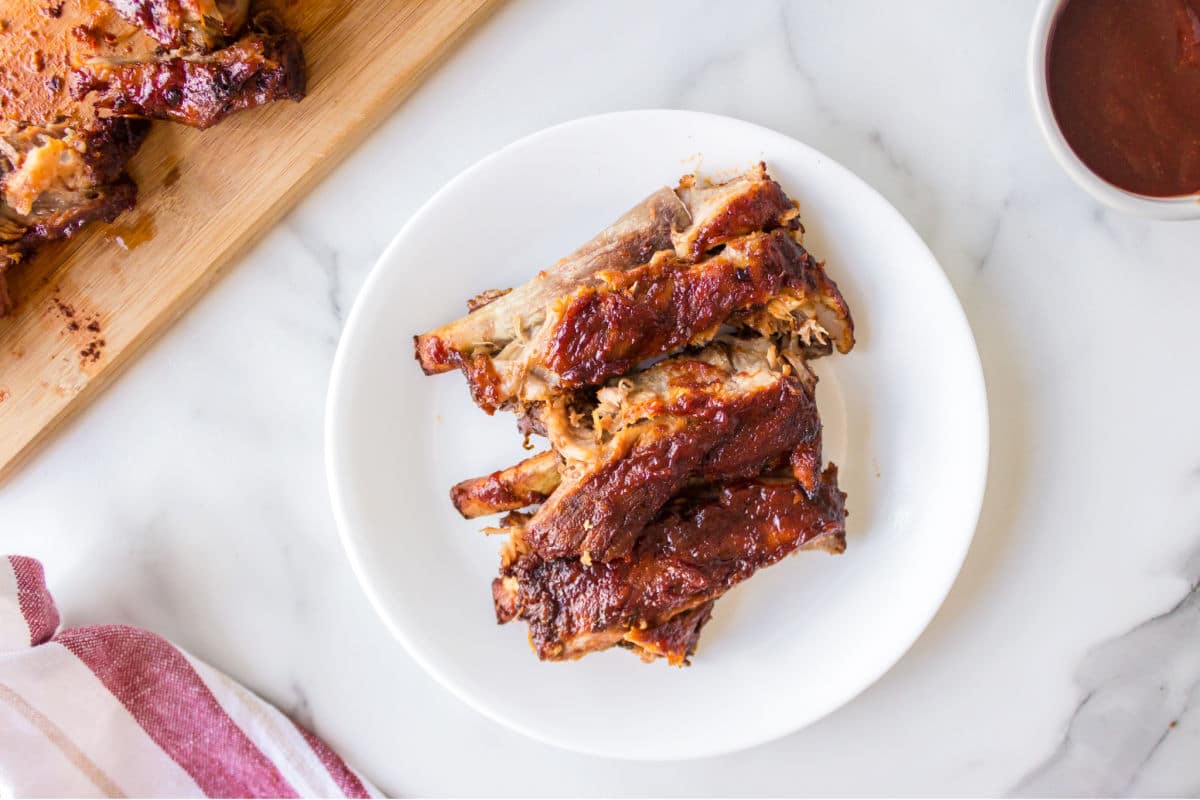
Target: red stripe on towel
37,606
171,703
342,775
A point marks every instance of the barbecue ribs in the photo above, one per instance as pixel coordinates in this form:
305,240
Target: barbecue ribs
666,363
726,412
683,561
638,291
198,89
79,79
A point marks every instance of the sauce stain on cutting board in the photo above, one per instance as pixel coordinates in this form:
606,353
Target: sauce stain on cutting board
133,233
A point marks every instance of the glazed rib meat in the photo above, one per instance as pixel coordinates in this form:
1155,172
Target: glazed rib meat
201,25
652,225
535,479
724,211
685,559
198,90
57,178
80,78
469,342
608,329
588,319
726,412
43,41
44,163
675,640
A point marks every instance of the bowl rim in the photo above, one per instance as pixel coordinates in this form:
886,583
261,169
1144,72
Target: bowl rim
1167,208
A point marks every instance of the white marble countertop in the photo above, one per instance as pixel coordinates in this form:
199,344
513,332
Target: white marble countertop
190,499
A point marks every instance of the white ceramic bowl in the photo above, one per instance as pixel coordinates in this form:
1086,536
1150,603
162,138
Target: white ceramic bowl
1177,208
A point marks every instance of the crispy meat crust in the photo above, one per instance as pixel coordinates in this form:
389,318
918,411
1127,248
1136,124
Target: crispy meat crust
688,557
198,24
675,640
725,211
631,240
714,417
199,91
21,235
509,348
484,298
102,203
62,161
55,179
669,303
112,142
572,327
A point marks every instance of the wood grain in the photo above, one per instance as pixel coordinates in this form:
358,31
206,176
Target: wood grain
86,307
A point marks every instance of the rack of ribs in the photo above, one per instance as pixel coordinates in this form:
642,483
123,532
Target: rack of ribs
666,362
656,601
667,275
726,412
80,80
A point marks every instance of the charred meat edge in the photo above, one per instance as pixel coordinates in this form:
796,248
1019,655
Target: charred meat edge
710,216
606,330
198,90
56,178
201,25
604,324
726,412
59,175
691,555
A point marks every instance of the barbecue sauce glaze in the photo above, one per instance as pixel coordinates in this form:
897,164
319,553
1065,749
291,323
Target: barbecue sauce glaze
1124,83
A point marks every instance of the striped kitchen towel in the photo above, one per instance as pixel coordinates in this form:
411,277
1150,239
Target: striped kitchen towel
111,710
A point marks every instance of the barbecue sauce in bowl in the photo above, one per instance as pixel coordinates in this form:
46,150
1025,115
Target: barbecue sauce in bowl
1124,83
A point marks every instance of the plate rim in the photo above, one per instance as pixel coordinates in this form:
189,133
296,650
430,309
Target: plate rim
334,400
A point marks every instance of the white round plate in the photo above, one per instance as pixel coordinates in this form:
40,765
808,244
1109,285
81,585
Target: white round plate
905,418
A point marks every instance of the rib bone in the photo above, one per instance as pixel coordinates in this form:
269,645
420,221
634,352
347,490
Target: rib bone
518,486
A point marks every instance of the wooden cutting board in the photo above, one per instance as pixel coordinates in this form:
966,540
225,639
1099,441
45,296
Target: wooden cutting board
87,306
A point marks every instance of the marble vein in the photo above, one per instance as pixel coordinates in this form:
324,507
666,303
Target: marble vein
329,259
1137,689
989,247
